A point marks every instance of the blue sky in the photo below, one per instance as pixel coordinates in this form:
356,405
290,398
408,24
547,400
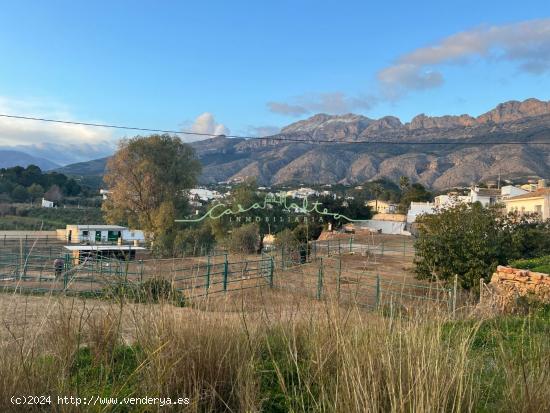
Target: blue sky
249,67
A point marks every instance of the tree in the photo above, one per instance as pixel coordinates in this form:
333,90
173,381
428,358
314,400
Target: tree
245,239
415,193
147,177
470,241
54,194
194,241
35,192
19,193
404,183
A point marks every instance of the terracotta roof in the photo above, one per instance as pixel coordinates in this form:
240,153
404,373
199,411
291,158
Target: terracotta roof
535,194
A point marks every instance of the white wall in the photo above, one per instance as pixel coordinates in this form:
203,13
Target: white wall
387,227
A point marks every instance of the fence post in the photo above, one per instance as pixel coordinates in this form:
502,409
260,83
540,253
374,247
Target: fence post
320,280
339,247
225,271
338,279
351,244
314,249
283,257
67,266
404,247
455,287
481,285
207,275
382,247
141,271
271,265
377,290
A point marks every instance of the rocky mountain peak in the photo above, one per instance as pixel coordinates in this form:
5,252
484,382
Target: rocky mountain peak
514,110
322,121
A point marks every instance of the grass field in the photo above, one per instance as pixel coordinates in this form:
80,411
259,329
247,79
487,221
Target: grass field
271,351
277,349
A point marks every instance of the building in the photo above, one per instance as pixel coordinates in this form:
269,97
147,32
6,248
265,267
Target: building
485,196
104,193
203,194
82,253
449,200
302,193
509,191
47,204
98,234
537,202
419,208
382,207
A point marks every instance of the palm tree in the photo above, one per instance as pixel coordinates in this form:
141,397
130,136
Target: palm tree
377,190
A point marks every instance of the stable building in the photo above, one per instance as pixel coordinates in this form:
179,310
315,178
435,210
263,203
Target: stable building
100,234
85,253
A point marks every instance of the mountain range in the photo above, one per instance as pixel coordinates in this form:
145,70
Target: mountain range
439,152
10,158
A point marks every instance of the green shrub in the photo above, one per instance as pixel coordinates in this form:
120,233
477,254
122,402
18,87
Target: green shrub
540,264
245,239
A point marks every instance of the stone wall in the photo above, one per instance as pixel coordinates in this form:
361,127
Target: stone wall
508,284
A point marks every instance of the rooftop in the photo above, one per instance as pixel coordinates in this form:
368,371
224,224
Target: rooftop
539,193
488,191
92,227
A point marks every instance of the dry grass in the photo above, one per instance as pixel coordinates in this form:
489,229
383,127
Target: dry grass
272,352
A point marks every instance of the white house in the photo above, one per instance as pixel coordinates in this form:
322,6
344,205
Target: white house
449,200
485,196
302,193
203,194
46,203
419,208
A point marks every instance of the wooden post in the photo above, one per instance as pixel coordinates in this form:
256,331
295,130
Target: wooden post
377,290
271,265
320,280
339,276
481,291
455,289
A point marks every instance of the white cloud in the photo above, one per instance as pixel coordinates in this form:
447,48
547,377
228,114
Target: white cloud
61,143
205,123
527,44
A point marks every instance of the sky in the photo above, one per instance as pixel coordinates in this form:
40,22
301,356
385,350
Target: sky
252,67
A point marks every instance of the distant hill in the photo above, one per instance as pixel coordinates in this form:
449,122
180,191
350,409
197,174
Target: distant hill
10,158
383,149
89,168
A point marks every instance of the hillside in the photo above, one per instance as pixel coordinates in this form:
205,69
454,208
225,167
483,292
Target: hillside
385,150
10,158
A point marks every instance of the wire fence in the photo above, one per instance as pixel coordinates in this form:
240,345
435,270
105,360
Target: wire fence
317,273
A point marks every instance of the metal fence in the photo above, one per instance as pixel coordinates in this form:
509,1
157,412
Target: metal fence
315,270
